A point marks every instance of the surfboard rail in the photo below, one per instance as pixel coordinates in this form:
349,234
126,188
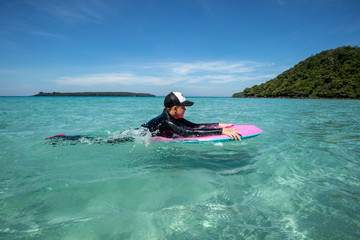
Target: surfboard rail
248,131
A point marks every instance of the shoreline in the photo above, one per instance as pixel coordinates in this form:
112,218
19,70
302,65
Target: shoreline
93,94
324,98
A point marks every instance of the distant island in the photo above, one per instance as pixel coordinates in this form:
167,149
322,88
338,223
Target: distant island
330,74
94,94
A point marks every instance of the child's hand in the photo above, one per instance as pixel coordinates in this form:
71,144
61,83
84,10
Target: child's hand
224,125
232,133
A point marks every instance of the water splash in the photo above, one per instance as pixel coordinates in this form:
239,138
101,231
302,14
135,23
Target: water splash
138,135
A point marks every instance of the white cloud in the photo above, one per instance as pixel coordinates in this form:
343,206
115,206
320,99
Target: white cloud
232,78
46,34
281,2
113,78
74,11
165,74
216,66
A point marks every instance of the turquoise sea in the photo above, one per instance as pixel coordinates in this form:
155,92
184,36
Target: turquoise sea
299,179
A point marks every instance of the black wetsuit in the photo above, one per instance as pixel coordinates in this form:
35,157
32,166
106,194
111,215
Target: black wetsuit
165,125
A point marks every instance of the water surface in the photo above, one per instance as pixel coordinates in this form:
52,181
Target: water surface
299,179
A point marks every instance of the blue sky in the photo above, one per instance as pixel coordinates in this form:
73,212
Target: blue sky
198,47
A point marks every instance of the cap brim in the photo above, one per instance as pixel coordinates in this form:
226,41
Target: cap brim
187,103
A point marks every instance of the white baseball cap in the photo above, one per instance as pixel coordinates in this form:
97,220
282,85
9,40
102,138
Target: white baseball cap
176,98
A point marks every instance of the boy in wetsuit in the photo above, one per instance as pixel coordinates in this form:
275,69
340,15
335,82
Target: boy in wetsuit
171,121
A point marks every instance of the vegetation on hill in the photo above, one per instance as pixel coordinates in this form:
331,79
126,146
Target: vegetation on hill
330,74
94,94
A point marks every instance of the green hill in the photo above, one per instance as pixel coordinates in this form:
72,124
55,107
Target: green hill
330,74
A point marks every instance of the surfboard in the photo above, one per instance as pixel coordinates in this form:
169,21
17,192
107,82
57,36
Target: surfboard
247,131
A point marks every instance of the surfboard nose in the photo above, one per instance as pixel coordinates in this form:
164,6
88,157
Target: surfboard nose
55,136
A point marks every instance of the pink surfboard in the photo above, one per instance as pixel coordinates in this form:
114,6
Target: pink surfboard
247,131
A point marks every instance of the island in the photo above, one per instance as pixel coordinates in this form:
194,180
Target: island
94,94
332,73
